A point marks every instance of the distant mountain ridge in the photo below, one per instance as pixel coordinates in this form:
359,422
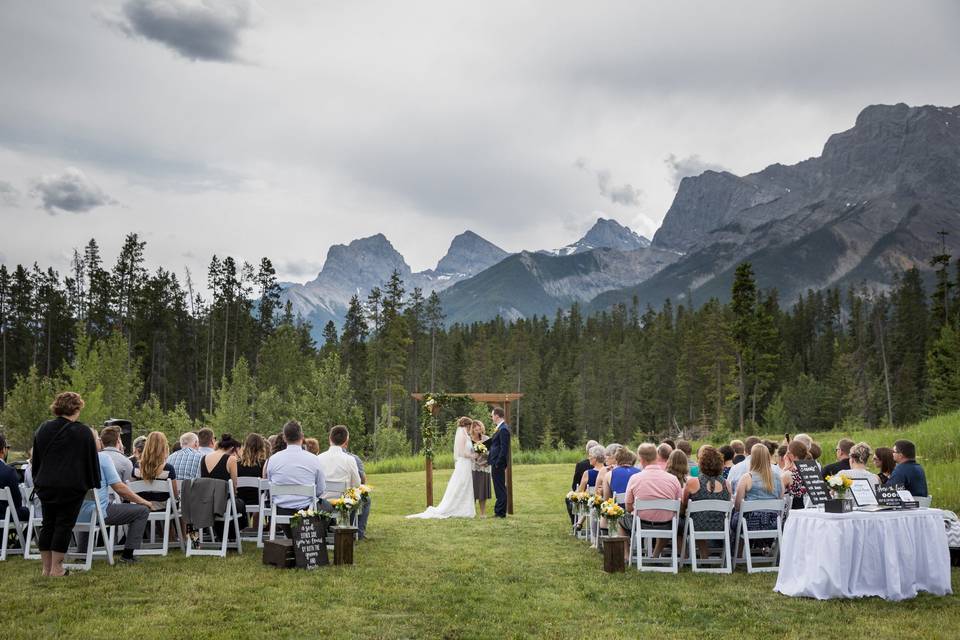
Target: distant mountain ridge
867,208
604,234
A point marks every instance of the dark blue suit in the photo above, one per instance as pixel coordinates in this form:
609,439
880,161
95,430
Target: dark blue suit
499,454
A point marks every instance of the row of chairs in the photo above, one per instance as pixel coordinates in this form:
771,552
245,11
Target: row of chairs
99,538
643,539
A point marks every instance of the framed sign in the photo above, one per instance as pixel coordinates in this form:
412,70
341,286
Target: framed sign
909,502
862,493
888,497
816,487
309,544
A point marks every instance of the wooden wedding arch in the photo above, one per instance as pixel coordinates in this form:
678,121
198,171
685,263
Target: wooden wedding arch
500,399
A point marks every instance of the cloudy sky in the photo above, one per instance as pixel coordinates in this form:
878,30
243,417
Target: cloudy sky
278,129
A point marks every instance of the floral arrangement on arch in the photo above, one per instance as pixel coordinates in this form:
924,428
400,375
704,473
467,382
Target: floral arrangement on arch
428,420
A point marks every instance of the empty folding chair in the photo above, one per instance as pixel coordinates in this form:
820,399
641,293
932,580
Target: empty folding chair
691,535
745,534
169,514
11,522
924,501
34,519
641,538
307,491
88,533
252,534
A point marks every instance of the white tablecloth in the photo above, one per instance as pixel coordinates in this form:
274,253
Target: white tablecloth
891,554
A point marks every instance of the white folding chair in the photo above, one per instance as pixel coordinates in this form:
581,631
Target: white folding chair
34,520
11,520
230,517
304,490
169,514
691,535
93,529
253,534
745,534
924,501
639,536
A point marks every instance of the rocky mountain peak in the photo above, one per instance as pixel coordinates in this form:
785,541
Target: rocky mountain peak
610,234
469,254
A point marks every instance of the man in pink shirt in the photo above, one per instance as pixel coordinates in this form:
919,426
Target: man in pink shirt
653,483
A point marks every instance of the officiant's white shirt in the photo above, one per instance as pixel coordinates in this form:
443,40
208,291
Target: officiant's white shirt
339,466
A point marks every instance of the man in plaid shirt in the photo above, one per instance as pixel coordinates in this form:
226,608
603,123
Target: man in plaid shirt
186,461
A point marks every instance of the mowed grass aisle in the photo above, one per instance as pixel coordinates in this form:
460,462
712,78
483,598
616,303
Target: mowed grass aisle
446,579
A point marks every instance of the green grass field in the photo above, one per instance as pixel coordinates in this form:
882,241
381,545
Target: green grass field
525,576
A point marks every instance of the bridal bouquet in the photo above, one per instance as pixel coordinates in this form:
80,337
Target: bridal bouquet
480,449
839,484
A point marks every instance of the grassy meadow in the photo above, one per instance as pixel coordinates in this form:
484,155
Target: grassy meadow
520,577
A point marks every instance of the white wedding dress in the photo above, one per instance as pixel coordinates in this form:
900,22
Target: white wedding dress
458,498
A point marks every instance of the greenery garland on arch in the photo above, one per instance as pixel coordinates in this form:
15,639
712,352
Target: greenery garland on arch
432,403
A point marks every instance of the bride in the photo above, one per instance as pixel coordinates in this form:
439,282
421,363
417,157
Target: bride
458,498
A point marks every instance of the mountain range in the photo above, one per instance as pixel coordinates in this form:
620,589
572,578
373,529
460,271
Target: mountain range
871,205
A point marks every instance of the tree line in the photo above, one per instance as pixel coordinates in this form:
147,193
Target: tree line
148,346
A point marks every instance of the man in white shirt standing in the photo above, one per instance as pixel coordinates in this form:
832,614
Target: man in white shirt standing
337,464
295,466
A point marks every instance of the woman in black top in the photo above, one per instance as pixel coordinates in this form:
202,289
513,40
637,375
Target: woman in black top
222,464
65,466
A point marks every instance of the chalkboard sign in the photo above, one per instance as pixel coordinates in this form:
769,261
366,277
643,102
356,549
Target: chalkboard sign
810,475
309,543
888,497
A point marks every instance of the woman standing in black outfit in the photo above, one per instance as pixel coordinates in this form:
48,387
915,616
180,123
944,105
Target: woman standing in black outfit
65,466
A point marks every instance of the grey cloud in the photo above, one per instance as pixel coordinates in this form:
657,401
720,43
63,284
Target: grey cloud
209,30
9,196
625,194
692,165
70,191
299,269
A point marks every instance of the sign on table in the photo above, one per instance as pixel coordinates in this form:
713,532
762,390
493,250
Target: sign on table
309,544
816,487
862,492
888,497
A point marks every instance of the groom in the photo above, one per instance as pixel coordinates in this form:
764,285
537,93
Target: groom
499,454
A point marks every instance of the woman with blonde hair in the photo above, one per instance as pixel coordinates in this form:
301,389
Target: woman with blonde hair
482,490
678,466
152,465
253,458
761,484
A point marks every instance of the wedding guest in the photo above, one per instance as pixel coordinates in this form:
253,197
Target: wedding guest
742,468
653,483
883,459
137,448
578,472
364,514
272,442
669,442
186,461
207,440
9,479
908,471
609,462
815,453
709,485
663,455
153,465
133,513
312,445
843,459
620,474
222,465
113,447
295,466
780,458
588,481
727,452
678,466
796,450
482,483
65,467
771,449
684,445
859,457
805,439
253,456
336,464
739,451
760,483
278,443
